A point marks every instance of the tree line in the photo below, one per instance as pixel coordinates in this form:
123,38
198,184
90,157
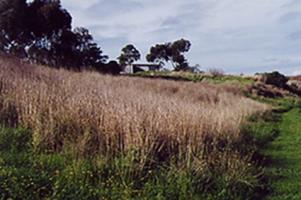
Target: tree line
41,32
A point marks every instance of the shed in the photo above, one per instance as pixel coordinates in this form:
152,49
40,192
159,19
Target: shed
134,68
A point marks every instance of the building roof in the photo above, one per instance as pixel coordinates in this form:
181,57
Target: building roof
146,65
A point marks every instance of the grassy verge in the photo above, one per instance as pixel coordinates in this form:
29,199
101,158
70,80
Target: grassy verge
278,138
25,174
122,138
187,76
284,166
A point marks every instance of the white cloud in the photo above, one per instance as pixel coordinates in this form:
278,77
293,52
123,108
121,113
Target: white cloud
296,72
80,4
237,35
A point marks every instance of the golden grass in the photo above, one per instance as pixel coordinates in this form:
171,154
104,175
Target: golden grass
98,115
297,78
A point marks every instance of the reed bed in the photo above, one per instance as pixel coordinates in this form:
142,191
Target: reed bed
96,115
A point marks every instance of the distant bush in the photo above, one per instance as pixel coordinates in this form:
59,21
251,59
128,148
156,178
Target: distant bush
40,31
275,78
112,68
298,103
14,140
216,72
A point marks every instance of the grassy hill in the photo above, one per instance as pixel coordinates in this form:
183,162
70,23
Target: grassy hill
68,135
197,77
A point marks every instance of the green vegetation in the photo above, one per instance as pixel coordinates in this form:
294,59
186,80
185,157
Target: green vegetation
229,79
100,150
194,77
275,78
129,54
278,134
41,31
129,138
112,138
284,167
28,175
172,52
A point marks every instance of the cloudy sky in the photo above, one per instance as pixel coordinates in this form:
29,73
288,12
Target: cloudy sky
239,36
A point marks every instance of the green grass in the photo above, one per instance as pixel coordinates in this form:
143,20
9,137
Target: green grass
26,174
284,153
229,80
277,139
194,77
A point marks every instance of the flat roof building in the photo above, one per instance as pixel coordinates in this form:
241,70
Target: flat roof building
134,68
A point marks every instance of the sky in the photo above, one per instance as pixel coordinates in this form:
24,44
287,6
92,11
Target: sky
238,36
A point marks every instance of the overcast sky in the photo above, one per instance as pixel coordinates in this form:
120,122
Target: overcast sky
239,36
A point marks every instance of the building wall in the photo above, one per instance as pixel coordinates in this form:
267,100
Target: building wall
129,69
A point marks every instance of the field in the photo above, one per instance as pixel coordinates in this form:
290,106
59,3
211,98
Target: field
162,117
286,161
208,77
278,134
89,136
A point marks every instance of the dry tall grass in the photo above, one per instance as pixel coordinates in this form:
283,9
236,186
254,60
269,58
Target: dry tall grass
297,78
97,115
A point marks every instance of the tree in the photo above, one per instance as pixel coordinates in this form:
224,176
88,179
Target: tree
47,17
129,54
275,78
13,27
90,53
41,32
112,68
170,52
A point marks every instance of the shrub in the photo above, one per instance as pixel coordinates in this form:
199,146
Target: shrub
275,78
216,72
111,68
15,140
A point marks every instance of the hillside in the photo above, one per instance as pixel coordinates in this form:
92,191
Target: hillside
298,78
156,123
85,135
107,115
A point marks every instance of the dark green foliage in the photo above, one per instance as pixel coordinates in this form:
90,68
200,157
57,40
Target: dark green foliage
25,174
263,128
13,26
47,17
284,164
195,77
41,32
276,79
129,54
112,68
76,50
14,140
298,104
277,136
170,52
